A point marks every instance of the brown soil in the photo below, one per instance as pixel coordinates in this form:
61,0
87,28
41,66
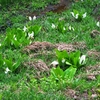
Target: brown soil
94,54
64,46
57,8
39,66
94,34
76,95
93,70
90,72
47,46
39,46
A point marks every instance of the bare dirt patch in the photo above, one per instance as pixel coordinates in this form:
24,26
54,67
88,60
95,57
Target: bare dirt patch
93,70
80,45
64,46
39,46
77,95
90,72
57,8
94,54
94,33
39,67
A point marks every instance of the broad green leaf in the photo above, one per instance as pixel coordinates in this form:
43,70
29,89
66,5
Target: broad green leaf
9,63
36,29
60,56
69,73
75,11
16,43
57,71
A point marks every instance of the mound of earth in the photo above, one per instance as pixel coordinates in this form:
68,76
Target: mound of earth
39,46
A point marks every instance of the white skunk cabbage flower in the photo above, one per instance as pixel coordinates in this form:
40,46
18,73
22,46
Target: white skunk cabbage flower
53,26
54,63
63,60
24,29
31,35
34,18
71,28
30,18
75,15
98,24
82,60
84,15
7,70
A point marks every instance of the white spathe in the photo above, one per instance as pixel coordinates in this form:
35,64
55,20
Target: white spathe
25,28
63,60
74,15
54,63
30,18
82,59
98,24
84,15
31,35
7,70
53,26
34,18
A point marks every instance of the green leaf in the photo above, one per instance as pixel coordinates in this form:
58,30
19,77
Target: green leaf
57,71
9,63
61,55
16,43
75,11
1,60
69,73
61,27
36,29
16,65
68,63
74,58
